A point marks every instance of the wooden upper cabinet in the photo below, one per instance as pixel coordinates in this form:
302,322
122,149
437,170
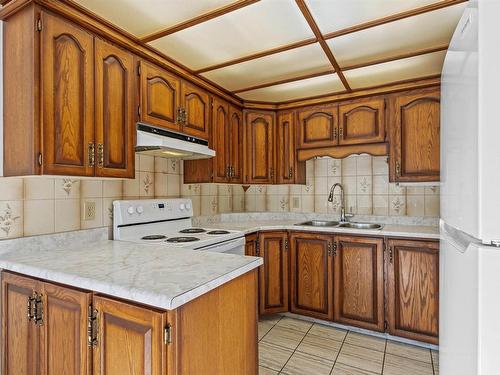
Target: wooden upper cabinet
273,275
130,339
413,289
115,110
362,122
235,145
318,127
220,140
160,94
259,144
415,119
288,170
67,91
311,271
196,103
359,282
63,337
20,336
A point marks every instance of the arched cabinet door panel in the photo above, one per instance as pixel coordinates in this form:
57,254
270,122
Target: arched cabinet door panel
67,91
318,127
115,110
220,140
259,143
415,138
362,122
236,144
160,94
196,104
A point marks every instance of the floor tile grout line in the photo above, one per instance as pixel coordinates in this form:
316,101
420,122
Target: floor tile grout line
432,363
340,349
383,360
300,342
274,325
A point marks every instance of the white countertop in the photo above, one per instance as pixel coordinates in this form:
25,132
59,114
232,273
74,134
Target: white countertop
388,230
154,275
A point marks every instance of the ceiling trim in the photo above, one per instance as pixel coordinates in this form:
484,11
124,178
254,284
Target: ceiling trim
197,20
394,17
258,55
286,80
317,33
400,56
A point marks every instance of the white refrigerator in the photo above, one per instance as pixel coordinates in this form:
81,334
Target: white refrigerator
469,327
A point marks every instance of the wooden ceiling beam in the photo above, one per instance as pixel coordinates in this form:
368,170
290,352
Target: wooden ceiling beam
258,55
394,17
287,80
199,19
317,33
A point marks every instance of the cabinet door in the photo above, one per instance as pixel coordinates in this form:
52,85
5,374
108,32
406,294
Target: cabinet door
220,140
415,137
160,97
20,336
236,144
196,103
413,289
318,127
273,275
115,110
64,348
311,275
67,90
362,122
285,149
259,145
251,244
130,339
359,282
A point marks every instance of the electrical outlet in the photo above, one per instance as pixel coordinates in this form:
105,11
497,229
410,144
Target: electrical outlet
89,210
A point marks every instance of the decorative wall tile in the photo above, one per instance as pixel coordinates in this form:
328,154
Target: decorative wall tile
38,188
131,187
11,219
91,188
350,184
415,204
350,204
107,211
209,204
67,188
307,189
112,188
334,167
308,203
38,217
381,205
395,189
161,165
146,163
364,165
321,185
11,188
380,166
173,185
349,166
432,205
321,167
147,184
397,205
364,185
380,185
321,204
67,215
173,166
160,185
415,190
364,204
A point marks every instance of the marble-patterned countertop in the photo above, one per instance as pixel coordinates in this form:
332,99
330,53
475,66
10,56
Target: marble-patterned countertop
388,230
154,275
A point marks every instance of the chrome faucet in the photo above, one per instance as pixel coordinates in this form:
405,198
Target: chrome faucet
343,216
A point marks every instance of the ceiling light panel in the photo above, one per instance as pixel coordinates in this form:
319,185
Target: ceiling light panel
293,63
258,27
399,37
296,90
394,71
334,15
144,17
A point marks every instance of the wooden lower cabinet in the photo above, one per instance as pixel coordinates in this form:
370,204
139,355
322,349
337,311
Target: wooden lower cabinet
273,275
413,289
359,282
251,244
311,275
214,334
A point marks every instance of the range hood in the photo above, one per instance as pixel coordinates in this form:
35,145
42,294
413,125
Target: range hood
169,144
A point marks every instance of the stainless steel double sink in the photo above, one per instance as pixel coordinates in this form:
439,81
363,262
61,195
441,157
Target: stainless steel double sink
336,224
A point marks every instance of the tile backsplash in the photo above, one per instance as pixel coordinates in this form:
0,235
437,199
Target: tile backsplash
39,205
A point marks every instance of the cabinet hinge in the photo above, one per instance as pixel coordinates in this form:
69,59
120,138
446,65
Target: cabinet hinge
286,245
386,325
139,69
167,334
40,159
385,104
92,326
139,111
39,24
257,248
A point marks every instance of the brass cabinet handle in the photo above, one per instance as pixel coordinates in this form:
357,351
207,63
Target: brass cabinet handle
335,249
398,169
329,248
271,172
390,254
290,172
100,155
92,327
179,115
341,132
334,134
38,309
31,307
91,152
184,116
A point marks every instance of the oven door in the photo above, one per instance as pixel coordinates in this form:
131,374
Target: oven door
236,246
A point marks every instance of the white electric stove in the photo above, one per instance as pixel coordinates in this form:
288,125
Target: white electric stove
169,222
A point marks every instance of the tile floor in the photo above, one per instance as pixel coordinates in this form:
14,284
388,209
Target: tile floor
296,347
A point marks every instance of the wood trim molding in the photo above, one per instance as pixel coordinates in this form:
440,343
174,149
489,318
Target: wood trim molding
197,20
394,17
287,80
258,55
328,52
339,152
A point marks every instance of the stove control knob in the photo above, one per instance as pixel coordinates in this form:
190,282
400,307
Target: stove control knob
182,207
188,206
139,209
130,210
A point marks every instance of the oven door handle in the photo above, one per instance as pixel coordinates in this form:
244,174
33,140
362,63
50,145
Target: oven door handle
226,246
